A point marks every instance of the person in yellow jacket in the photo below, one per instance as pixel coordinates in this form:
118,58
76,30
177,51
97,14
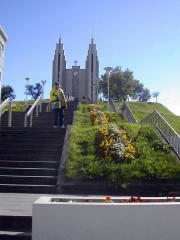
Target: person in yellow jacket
57,98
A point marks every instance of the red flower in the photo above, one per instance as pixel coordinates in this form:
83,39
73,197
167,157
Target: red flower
108,198
171,199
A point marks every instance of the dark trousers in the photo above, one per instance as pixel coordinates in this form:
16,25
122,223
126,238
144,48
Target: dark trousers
58,117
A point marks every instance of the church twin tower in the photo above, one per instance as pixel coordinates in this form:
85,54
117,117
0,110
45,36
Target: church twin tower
77,82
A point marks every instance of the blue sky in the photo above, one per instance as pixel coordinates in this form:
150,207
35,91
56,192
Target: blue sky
142,35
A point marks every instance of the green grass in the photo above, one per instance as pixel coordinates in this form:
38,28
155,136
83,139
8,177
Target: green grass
19,106
103,106
118,105
142,109
81,148
153,160
115,117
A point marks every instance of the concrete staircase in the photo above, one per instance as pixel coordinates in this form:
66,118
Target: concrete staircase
29,159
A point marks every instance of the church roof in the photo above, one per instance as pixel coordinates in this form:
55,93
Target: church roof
3,34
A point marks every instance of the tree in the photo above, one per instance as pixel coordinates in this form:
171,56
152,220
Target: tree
122,86
155,95
7,92
34,91
145,95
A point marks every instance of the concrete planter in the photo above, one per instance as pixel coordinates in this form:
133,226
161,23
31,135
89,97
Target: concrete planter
104,221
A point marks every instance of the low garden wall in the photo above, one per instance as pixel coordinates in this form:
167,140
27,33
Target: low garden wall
129,188
84,220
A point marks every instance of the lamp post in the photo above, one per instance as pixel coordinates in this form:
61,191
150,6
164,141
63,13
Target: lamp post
26,79
97,89
108,70
43,84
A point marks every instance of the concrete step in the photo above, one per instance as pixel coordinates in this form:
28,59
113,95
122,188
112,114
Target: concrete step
29,157
41,119
45,138
28,171
24,188
32,150
22,130
29,164
28,180
34,141
32,146
7,235
16,223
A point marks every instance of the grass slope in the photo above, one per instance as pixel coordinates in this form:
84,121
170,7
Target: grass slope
142,109
19,106
153,161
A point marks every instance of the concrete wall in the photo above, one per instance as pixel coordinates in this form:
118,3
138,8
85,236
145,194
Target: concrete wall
3,41
82,84
104,221
68,81
81,79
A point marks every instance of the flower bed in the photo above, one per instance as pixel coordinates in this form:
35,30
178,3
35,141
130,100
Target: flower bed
76,218
97,117
114,144
109,199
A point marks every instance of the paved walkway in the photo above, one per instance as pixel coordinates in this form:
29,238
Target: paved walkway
17,204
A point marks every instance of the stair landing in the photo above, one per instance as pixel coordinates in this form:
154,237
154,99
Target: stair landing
16,204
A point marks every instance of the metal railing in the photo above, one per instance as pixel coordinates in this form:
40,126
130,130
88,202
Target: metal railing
172,137
113,106
49,105
70,99
3,105
37,105
127,113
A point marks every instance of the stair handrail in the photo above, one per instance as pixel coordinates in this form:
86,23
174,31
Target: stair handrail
68,99
155,119
4,104
48,107
113,106
38,105
127,113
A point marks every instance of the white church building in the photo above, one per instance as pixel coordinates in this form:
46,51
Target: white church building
77,82
3,41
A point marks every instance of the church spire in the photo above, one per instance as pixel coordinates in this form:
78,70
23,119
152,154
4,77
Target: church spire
92,38
60,39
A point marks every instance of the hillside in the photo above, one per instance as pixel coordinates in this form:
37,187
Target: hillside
142,109
104,147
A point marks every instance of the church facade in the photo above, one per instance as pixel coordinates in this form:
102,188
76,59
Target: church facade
77,82
3,41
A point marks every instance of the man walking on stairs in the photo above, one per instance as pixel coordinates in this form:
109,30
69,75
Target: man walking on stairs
57,98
